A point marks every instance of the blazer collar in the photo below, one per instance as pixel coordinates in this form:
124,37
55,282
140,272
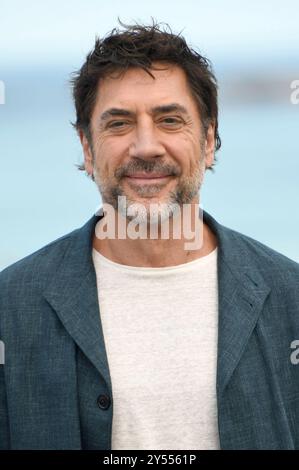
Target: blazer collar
241,294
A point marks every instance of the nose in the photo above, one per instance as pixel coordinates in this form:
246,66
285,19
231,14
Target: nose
146,143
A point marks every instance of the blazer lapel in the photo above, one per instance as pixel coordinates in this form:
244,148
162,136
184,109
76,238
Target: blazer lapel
242,292
73,295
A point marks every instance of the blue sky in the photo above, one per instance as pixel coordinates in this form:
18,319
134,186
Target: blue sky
58,31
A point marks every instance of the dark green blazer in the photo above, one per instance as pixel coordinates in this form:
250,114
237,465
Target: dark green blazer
55,386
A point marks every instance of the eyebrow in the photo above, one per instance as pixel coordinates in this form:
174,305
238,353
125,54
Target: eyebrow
168,108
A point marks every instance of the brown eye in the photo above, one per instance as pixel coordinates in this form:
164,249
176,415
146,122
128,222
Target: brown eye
172,121
117,124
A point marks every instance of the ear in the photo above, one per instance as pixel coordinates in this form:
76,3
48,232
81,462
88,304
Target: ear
210,145
88,158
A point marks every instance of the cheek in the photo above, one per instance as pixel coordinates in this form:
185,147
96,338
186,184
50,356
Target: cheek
104,157
178,146
111,150
185,151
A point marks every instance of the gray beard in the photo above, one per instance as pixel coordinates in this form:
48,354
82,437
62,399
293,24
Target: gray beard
157,212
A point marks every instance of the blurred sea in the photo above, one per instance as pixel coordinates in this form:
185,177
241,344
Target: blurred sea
255,188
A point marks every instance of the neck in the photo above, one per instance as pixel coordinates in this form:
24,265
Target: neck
188,239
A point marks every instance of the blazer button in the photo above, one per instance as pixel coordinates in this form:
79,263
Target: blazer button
103,402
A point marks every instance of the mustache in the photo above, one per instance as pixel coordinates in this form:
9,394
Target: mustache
147,167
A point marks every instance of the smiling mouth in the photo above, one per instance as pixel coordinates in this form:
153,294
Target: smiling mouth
147,178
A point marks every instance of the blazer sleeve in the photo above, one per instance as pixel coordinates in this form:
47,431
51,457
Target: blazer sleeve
4,425
4,422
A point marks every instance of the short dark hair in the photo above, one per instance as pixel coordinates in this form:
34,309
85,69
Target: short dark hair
138,46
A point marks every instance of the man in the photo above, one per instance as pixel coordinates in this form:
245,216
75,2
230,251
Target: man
137,342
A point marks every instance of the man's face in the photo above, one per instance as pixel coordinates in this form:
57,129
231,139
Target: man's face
147,140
